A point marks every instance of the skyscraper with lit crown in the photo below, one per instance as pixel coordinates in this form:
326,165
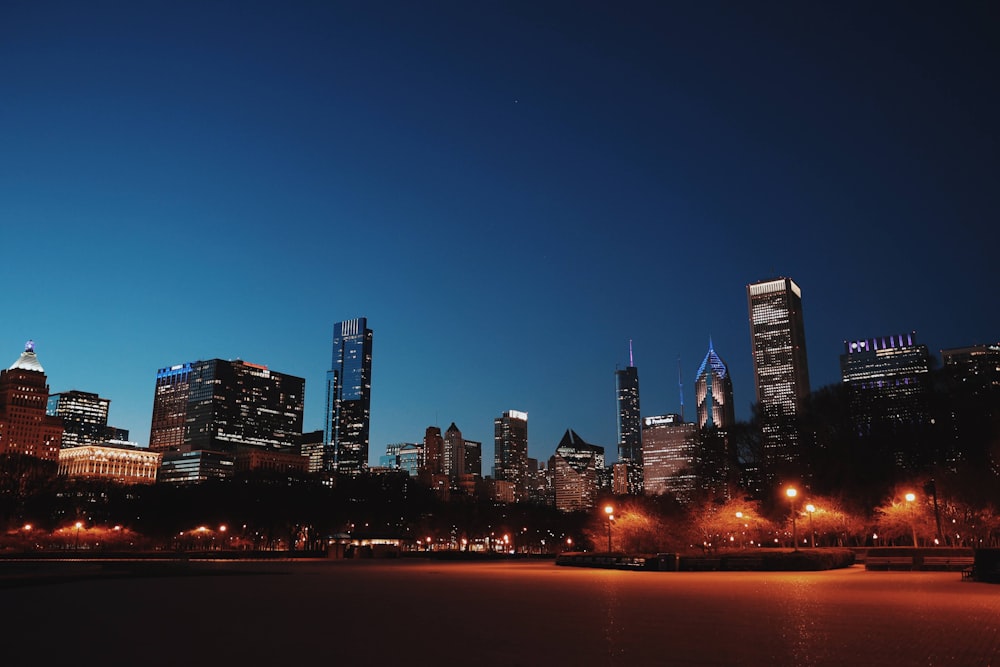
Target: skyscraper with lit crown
713,388
348,398
781,372
25,428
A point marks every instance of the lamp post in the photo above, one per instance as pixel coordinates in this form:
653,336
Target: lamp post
810,508
610,511
791,492
913,528
739,520
76,541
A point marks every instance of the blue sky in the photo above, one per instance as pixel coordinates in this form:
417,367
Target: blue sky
509,191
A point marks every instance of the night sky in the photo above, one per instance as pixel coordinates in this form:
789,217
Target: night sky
509,191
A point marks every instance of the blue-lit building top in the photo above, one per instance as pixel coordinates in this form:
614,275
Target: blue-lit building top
713,388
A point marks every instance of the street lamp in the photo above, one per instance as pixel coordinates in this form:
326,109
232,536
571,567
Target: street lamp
610,511
739,519
791,492
913,528
76,542
810,508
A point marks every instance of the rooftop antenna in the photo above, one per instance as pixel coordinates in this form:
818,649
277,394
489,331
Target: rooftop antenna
630,360
680,386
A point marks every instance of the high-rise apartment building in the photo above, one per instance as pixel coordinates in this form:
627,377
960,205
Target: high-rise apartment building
25,428
510,451
670,453
713,388
781,372
574,473
226,406
629,423
348,397
84,416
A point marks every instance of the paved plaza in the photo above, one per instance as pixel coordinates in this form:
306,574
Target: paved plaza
501,613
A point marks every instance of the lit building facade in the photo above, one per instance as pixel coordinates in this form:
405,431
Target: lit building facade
713,388
888,380
670,455
510,451
433,451
473,458
629,424
119,464
573,468
781,372
348,397
976,366
411,458
25,428
84,417
226,406
195,467
170,402
453,462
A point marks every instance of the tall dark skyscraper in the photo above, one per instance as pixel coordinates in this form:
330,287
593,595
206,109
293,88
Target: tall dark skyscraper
781,373
629,423
348,398
889,383
226,406
510,451
713,389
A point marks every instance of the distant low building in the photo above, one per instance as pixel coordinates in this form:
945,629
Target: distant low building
122,464
195,467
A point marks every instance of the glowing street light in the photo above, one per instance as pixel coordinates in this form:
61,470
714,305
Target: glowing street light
810,508
910,497
76,542
791,492
610,511
739,519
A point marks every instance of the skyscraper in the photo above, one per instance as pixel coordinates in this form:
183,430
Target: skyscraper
433,451
574,473
226,406
781,373
84,416
454,452
629,423
510,451
670,452
25,428
348,397
713,388
170,400
888,378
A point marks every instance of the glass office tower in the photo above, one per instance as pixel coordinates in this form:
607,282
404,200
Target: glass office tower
348,398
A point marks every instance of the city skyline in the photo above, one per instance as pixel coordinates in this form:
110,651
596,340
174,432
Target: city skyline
508,193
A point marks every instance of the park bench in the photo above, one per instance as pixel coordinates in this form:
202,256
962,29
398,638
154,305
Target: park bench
948,562
889,563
